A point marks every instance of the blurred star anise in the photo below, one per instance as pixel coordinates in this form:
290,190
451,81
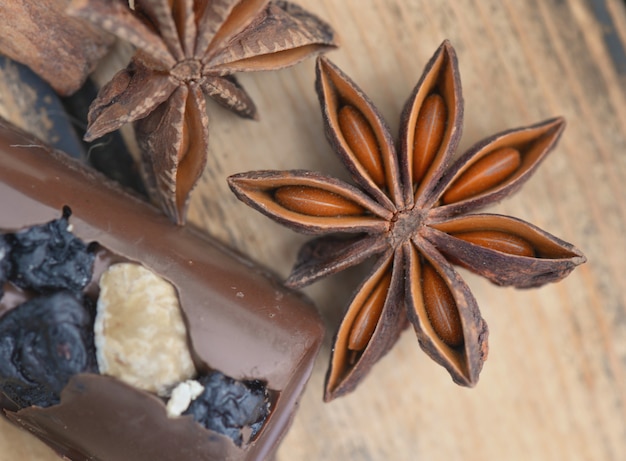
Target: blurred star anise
187,50
410,210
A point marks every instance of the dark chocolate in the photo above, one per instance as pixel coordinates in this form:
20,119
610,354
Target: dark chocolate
240,320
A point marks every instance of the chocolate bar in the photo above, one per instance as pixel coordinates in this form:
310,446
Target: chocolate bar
242,326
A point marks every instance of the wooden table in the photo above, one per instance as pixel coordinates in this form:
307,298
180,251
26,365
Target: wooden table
554,386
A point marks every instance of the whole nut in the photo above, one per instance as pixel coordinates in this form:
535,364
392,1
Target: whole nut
140,333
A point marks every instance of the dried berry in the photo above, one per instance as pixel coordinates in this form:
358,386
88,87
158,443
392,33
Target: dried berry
43,343
228,406
49,257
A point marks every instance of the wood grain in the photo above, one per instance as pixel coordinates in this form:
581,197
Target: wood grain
554,386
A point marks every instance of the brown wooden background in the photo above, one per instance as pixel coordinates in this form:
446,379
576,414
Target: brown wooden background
554,386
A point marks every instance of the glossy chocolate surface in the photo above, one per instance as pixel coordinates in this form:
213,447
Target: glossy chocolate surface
240,320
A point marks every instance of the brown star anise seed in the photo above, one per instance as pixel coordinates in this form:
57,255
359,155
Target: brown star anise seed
187,50
410,211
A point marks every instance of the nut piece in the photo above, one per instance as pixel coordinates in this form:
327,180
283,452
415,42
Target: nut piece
140,334
182,396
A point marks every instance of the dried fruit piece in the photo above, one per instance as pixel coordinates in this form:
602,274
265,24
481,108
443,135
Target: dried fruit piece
43,343
140,333
49,257
228,406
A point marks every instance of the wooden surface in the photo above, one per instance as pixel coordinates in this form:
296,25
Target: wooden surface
554,386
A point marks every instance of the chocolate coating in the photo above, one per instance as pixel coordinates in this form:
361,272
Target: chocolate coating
240,320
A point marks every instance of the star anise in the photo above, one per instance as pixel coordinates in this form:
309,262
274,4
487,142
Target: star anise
410,210
187,50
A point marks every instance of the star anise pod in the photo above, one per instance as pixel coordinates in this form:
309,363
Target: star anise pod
187,50
410,210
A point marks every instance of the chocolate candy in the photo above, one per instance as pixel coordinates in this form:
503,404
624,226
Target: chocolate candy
240,321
